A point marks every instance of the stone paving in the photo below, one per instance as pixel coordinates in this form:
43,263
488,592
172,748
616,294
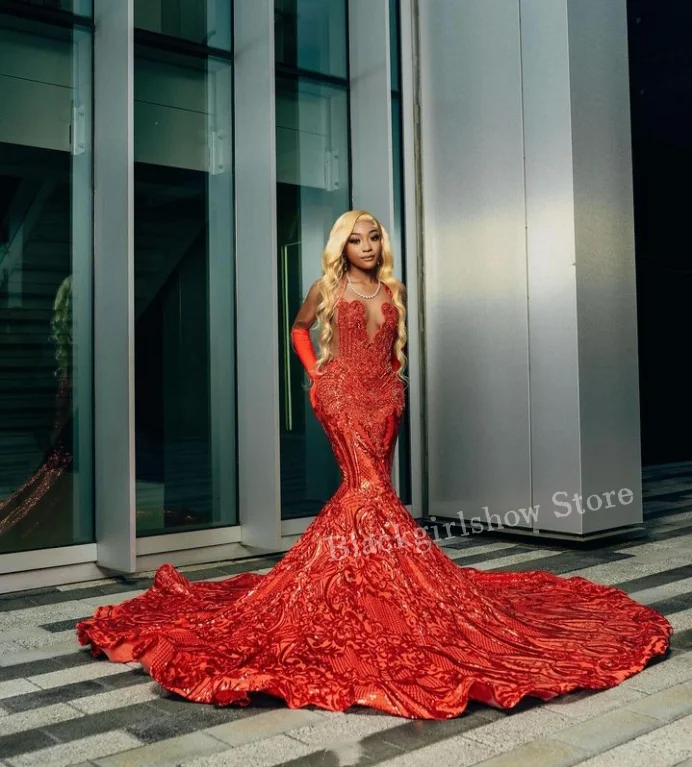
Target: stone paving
58,706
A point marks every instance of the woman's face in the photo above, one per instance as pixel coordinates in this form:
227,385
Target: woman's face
364,246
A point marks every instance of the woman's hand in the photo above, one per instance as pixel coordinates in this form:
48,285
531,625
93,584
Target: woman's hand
300,337
312,393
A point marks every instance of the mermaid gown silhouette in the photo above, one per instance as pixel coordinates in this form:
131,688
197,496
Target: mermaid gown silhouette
366,609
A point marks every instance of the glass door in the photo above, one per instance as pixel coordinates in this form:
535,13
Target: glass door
185,444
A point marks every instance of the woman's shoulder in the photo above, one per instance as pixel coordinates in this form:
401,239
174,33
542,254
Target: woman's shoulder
321,284
318,290
314,291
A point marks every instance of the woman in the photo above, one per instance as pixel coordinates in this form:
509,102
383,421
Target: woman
364,609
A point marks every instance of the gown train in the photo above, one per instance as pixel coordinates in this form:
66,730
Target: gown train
366,609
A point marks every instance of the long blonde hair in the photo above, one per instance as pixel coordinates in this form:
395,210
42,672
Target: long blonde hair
334,266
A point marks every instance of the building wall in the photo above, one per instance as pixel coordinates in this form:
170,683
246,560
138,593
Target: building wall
159,228
160,225
531,368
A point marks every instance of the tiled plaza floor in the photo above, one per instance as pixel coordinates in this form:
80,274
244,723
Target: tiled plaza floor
58,706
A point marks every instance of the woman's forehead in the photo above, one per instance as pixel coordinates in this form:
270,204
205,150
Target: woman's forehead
364,226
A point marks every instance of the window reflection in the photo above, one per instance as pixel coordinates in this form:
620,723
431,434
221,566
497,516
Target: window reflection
78,7
398,241
45,286
185,432
311,35
205,22
395,43
313,190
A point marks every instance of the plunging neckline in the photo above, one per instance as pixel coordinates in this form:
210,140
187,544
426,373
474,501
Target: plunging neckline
380,327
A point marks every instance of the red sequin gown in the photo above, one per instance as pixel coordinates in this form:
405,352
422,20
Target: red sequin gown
365,609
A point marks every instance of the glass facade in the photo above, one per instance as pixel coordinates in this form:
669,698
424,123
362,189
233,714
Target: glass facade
77,7
45,284
181,267
205,22
313,189
311,36
398,240
183,201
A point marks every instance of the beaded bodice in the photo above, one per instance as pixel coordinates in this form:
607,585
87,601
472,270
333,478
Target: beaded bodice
352,342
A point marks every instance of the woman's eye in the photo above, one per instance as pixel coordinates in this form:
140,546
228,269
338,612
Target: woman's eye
376,237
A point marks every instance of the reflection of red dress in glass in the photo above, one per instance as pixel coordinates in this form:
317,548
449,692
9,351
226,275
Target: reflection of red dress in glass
38,513
40,509
365,609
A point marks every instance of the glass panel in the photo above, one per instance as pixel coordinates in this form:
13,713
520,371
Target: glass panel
394,35
311,35
79,7
398,185
313,190
404,443
184,309
45,287
207,22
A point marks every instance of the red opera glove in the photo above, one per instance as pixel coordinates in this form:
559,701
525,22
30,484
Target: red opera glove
302,343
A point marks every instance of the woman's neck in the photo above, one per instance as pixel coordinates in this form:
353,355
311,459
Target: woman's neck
362,276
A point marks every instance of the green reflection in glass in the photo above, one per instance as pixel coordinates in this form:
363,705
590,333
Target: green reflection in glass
205,22
184,308
312,191
311,35
45,286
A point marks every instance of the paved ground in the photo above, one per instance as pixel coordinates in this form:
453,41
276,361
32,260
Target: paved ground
60,707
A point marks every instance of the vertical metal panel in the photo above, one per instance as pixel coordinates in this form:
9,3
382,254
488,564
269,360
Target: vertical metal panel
554,364
221,292
114,285
606,286
372,171
475,257
257,296
82,285
371,109
584,383
410,237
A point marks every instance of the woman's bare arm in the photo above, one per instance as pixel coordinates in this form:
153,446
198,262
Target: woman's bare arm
307,313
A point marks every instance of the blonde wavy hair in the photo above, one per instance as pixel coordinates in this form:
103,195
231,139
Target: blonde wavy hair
334,266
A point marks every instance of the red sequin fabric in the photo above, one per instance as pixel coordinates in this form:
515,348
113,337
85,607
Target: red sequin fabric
366,609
